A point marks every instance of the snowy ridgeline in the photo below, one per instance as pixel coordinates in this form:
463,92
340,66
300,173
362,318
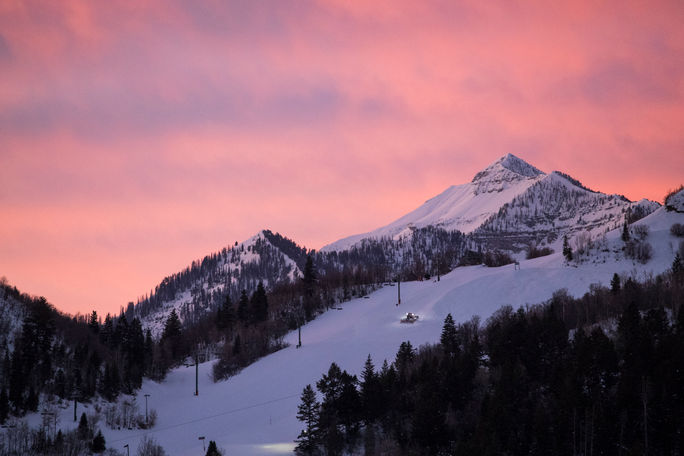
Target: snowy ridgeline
460,207
555,207
200,290
512,203
202,287
255,411
507,206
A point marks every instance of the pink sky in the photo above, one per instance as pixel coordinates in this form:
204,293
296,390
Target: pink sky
138,136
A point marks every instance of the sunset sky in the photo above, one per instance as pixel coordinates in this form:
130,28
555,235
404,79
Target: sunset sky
136,136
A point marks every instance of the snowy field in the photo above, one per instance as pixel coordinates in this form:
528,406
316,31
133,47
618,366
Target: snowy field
254,412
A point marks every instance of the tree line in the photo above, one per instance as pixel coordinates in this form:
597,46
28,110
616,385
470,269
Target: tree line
557,378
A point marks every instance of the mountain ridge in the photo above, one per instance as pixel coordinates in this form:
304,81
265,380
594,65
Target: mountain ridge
200,288
472,207
508,205
461,207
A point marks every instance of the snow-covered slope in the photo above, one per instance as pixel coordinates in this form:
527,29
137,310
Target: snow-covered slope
511,203
507,205
203,286
461,207
557,205
675,201
254,413
611,249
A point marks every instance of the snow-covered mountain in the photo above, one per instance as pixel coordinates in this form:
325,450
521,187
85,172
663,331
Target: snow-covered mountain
254,412
558,205
201,287
460,207
509,204
274,259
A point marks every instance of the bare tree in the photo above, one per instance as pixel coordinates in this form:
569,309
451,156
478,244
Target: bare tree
148,446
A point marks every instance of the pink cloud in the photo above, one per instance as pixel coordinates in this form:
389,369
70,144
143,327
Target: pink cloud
139,136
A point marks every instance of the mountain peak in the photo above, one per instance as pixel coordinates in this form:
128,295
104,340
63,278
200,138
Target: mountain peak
510,163
519,166
506,171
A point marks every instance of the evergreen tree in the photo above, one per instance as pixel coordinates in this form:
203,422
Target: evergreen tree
16,381
237,345
98,445
109,386
310,279
59,440
677,265
370,392
32,400
225,317
330,385
349,406
6,368
135,355
615,284
45,370
172,335
172,327
625,232
120,331
631,344
4,405
405,356
107,332
346,292
243,307
212,449
259,304
219,317
83,431
76,384
60,384
310,275
567,250
449,337
93,324
308,413
148,352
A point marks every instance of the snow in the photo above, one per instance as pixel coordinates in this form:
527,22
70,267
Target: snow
676,201
556,206
254,412
513,197
238,256
461,207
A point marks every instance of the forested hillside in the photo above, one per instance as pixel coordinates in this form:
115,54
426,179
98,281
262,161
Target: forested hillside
602,374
